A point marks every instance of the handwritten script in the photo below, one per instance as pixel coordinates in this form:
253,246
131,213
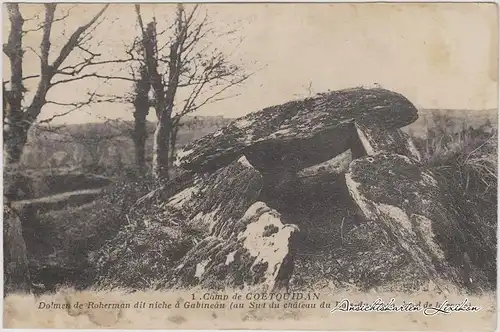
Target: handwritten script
427,308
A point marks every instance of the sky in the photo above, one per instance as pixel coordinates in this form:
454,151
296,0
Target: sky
438,55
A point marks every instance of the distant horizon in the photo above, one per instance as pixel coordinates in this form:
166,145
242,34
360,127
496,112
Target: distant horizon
152,116
474,112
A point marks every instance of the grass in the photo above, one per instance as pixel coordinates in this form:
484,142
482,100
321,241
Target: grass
59,241
465,165
139,257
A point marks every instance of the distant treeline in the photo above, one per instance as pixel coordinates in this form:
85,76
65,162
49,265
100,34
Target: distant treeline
452,121
101,147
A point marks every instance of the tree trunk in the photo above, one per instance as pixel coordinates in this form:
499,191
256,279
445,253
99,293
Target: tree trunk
173,142
140,145
13,125
141,104
164,99
16,272
161,149
162,132
15,128
15,138
15,131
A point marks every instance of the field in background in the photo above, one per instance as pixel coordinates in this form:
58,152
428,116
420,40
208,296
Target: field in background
100,148
451,121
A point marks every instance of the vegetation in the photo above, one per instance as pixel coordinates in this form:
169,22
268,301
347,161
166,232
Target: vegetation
466,165
140,257
59,241
181,65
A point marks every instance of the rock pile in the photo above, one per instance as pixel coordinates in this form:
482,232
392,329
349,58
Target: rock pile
241,176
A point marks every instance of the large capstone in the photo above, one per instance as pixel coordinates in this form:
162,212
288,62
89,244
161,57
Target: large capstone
299,134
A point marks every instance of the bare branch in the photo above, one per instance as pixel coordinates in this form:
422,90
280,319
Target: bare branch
48,71
50,8
42,25
58,116
126,99
35,52
92,75
139,19
214,97
25,78
75,39
86,63
76,105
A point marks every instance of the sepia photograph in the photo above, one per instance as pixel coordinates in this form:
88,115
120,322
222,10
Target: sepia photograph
325,166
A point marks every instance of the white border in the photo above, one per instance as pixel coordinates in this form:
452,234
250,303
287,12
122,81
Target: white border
248,1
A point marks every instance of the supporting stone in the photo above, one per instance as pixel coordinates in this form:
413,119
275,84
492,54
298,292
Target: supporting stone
256,250
394,192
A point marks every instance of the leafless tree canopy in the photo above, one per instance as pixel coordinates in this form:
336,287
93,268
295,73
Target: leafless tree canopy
186,72
20,114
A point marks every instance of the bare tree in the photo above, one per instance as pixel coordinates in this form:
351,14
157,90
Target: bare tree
194,74
140,99
19,118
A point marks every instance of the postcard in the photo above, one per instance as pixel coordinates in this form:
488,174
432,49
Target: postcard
277,166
